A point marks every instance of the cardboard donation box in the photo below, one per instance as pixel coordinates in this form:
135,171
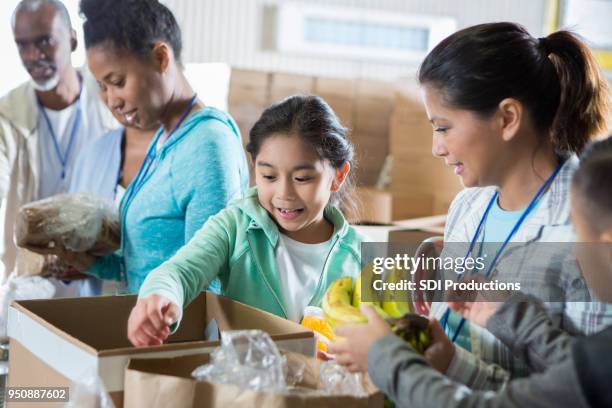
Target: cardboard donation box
56,342
405,236
156,383
376,206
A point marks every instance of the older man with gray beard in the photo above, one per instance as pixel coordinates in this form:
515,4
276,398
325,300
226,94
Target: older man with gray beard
45,122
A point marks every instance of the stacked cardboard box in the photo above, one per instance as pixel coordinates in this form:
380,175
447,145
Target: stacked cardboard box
374,206
416,172
421,185
373,107
284,85
340,95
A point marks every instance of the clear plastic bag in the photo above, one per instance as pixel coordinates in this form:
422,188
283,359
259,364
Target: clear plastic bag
294,372
77,222
89,392
337,380
248,359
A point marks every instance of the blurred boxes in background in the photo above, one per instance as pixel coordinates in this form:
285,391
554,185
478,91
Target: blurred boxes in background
373,106
410,143
339,94
376,206
284,85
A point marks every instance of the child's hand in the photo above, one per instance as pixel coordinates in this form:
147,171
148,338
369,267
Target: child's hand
441,350
150,320
352,350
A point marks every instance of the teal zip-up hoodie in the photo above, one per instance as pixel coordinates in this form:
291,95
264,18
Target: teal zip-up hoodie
238,246
195,174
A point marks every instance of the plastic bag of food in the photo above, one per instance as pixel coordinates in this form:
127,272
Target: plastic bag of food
76,222
248,359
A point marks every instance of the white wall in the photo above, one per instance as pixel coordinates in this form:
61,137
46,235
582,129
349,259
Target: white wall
232,31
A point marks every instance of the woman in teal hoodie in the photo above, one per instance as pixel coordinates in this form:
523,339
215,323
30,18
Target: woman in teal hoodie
279,248
195,164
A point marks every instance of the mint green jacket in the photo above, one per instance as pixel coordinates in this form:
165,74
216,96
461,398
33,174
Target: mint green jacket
238,245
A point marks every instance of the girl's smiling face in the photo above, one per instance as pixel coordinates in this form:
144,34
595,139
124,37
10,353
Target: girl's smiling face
294,185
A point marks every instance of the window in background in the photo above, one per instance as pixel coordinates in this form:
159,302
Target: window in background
363,34
589,18
357,33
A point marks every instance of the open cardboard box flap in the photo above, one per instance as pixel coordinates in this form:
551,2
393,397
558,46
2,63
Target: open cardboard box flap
99,324
67,338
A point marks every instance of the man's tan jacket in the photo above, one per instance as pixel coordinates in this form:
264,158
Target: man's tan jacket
19,160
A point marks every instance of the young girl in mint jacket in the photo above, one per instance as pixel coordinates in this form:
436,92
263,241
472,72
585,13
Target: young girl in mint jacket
281,246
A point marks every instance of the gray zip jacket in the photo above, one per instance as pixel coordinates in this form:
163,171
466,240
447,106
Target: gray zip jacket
565,371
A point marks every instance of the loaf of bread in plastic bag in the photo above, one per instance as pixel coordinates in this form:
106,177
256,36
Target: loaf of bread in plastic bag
76,222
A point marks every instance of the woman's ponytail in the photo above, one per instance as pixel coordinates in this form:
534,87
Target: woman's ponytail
584,103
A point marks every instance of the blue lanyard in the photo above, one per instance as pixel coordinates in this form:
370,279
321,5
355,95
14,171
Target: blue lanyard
145,169
75,124
121,162
514,230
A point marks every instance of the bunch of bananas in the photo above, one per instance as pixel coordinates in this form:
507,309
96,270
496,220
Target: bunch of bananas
414,329
341,306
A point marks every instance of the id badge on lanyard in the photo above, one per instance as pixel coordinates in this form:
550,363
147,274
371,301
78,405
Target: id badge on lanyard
529,209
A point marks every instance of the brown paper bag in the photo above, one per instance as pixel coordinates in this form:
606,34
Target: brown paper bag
168,383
